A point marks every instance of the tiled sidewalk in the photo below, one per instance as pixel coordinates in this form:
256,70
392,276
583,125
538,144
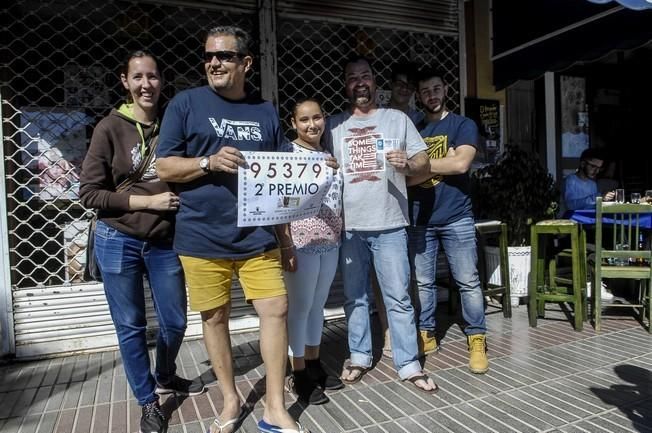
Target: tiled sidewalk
546,379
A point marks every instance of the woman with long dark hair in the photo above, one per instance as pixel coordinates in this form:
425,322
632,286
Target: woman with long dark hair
133,238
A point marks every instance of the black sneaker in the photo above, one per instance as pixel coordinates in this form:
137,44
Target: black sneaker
180,386
305,388
152,420
323,379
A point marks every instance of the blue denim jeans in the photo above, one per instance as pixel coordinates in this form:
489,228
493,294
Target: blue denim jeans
459,243
124,261
388,249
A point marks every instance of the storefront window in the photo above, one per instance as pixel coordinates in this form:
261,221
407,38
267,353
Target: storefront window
574,116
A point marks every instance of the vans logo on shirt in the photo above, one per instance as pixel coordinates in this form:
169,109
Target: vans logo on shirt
240,130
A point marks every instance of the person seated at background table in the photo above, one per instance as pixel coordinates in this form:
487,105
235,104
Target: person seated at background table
580,188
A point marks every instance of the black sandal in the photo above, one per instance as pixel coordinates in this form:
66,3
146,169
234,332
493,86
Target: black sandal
414,379
351,369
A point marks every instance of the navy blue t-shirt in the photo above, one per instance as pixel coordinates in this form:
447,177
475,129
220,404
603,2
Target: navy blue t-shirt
198,122
444,199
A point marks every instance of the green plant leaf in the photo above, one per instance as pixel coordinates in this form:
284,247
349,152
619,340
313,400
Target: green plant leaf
518,190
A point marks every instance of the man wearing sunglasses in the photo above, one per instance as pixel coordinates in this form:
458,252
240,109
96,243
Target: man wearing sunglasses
202,134
580,188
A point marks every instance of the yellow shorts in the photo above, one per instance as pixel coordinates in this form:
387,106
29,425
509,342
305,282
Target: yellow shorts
209,280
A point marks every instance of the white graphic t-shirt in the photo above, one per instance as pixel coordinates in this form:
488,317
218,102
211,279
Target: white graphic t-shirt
375,195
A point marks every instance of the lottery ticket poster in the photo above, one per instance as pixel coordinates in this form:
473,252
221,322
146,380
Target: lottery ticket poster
279,187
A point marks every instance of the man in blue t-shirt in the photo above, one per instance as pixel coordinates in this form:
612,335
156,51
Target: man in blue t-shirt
441,214
202,134
580,188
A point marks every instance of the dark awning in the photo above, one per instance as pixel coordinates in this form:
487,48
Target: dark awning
535,36
630,4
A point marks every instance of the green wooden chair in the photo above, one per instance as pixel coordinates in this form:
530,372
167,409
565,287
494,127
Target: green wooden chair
622,257
498,230
548,287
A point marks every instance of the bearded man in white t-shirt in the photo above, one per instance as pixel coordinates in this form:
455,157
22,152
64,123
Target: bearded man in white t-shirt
376,149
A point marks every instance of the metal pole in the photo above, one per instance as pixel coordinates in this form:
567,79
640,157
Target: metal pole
551,123
461,31
268,53
7,339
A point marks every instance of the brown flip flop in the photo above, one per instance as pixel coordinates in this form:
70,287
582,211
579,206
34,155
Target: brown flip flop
413,380
353,368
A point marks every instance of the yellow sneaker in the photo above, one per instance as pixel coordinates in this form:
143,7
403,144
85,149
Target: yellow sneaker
478,362
427,342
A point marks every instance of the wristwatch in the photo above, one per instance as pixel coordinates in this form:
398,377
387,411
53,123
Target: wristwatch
204,164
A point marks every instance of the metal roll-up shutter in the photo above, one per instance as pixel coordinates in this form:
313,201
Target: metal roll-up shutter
238,7
61,319
437,16
59,75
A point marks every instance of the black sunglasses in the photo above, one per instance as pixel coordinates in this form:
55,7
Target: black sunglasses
222,56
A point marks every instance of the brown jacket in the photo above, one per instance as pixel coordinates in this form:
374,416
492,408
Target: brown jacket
115,152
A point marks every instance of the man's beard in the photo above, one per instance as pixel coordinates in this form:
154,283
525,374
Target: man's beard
588,175
437,109
361,97
361,100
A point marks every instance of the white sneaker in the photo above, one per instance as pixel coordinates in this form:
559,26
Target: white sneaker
604,293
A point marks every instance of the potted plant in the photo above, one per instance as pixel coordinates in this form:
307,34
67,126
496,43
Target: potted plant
519,191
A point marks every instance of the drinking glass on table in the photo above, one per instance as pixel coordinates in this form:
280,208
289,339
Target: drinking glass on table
622,261
620,195
648,196
635,197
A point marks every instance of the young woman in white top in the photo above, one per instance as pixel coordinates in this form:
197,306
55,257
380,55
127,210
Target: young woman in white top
316,243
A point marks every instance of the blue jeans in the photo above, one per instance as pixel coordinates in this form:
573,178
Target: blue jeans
388,249
459,242
124,261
